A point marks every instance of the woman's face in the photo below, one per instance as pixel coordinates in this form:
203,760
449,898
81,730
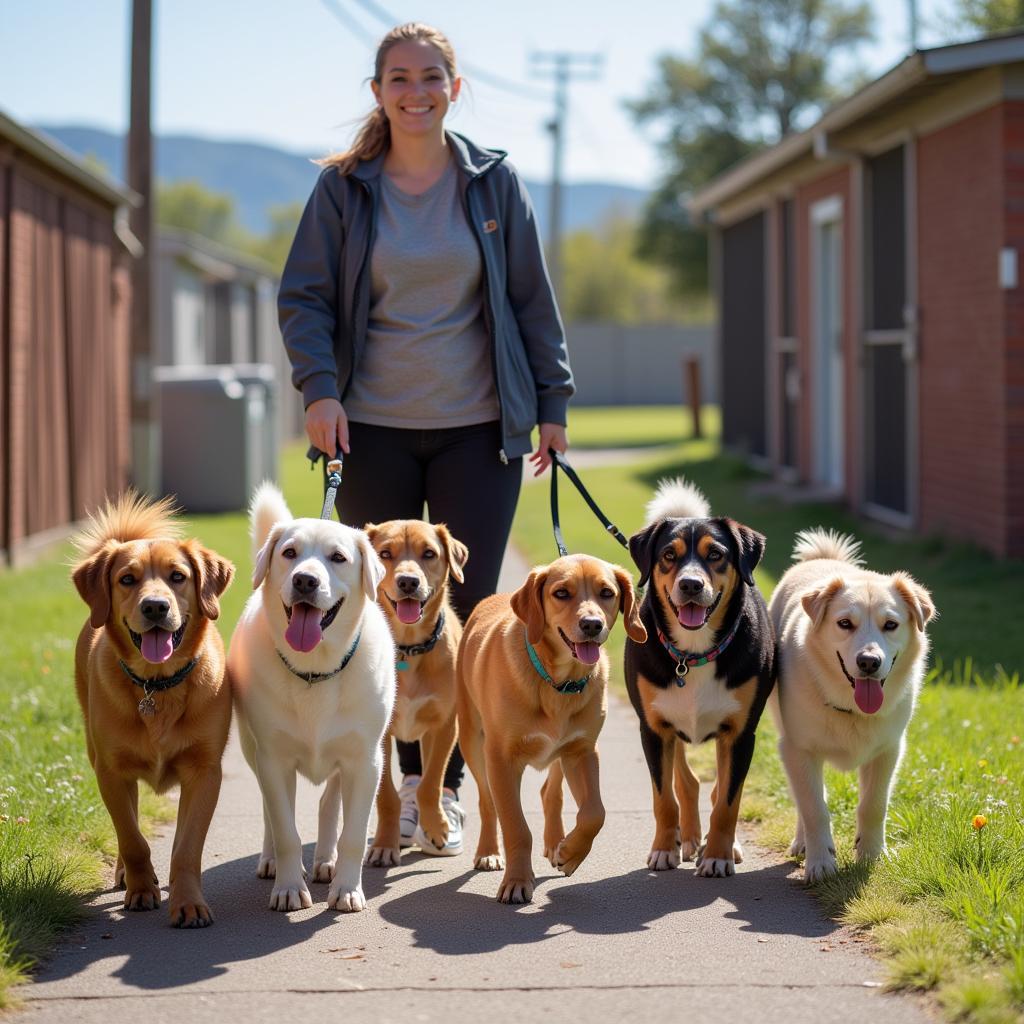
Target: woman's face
415,89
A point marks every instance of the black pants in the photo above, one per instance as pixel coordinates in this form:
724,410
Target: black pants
392,473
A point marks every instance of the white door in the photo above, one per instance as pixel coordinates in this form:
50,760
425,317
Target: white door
827,342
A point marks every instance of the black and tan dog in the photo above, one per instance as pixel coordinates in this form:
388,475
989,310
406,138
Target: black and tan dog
704,673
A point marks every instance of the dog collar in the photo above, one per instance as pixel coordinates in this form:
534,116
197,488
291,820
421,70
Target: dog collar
316,677
685,661
569,686
156,684
403,651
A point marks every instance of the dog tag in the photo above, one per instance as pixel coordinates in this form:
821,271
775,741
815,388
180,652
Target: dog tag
147,706
682,669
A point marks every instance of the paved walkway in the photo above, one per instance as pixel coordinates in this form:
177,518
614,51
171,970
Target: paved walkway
613,940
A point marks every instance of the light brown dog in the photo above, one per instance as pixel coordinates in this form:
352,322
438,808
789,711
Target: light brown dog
543,709
418,558
149,672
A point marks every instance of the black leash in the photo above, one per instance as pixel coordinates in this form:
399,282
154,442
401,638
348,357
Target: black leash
559,462
332,477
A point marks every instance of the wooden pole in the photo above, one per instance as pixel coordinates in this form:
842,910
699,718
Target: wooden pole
691,373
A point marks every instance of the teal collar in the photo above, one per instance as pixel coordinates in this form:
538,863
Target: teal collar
569,686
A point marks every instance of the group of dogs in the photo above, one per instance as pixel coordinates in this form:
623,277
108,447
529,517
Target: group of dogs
349,639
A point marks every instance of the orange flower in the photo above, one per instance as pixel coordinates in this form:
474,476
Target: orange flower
979,822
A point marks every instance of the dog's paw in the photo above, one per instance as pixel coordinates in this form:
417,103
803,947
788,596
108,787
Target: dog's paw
515,890
383,857
323,870
190,913
267,867
870,849
737,852
551,845
820,865
571,853
119,873
689,848
798,847
290,897
716,867
432,827
489,862
348,901
141,895
663,860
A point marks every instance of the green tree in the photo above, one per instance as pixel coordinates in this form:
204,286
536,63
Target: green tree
190,205
273,247
763,69
985,17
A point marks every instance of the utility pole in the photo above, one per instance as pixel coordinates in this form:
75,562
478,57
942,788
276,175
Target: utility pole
563,66
144,399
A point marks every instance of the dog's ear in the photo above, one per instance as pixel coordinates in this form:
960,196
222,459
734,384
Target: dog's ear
92,580
635,629
749,547
917,599
213,575
643,549
371,530
816,601
373,568
262,566
528,603
456,552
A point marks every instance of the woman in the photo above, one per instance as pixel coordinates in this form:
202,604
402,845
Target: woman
423,333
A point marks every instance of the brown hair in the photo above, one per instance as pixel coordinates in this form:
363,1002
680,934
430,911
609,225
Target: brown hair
374,133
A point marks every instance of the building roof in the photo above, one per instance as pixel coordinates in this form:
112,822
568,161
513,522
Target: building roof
60,159
212,258
914,75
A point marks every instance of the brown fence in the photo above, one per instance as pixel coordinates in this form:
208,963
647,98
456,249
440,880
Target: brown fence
64,354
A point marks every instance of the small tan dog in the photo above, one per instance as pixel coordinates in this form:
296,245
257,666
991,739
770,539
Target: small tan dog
418,558
531,691
149,672
852,652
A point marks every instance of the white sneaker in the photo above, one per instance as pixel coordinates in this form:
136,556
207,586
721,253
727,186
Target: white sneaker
409,818
456,819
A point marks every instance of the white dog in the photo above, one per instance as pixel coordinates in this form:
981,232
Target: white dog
852,651
312,666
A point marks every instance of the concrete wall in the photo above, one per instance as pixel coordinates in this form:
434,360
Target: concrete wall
623,364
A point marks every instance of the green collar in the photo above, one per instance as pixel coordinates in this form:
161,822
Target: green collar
569,686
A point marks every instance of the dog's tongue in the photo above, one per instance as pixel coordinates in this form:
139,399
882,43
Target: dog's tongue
157,645
868,695
303,632
588,652
691,615
408,609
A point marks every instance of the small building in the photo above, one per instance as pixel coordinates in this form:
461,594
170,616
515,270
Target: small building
871,309
65,293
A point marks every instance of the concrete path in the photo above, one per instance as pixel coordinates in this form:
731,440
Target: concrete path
434,945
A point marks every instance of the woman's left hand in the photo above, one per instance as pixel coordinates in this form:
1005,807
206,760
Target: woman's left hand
552,435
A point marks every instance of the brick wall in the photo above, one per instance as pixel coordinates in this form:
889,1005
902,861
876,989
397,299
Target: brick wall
963,428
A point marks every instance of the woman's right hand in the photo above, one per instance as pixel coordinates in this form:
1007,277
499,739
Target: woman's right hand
327,426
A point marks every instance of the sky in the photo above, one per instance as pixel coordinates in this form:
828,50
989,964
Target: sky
293,73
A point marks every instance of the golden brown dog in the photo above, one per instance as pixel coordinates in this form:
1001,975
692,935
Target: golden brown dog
531,691
418,558
149,672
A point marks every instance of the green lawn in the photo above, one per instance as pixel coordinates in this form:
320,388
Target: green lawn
947,907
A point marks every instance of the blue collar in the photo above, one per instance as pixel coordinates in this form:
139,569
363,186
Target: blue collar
569,686
316,677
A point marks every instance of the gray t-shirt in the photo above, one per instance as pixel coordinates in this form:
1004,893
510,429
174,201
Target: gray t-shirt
427,362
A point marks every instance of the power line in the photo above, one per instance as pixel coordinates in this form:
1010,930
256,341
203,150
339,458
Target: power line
362,33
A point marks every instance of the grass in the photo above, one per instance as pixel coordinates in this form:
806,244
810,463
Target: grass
946,907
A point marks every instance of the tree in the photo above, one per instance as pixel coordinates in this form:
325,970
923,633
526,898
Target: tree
763,68
190,205
985,17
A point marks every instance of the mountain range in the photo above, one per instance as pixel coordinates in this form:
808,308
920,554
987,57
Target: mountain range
259,176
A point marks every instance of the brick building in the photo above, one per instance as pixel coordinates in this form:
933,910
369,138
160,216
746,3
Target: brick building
871,311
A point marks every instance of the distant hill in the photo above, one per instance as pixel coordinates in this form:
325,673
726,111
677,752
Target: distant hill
259,176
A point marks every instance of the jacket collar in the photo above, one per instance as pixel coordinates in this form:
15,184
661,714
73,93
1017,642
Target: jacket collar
471,159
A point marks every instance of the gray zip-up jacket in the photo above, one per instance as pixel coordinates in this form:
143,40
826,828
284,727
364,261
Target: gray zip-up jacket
324,301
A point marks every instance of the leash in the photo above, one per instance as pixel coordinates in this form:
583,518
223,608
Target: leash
559,462
332,477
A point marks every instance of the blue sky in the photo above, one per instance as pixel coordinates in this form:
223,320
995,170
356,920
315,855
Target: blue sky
292,73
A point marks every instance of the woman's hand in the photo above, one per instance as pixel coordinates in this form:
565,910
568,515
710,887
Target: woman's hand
552,435
327,426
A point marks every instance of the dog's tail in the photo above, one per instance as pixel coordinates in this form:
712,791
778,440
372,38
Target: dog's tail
677,499
821,543
268,507
132,516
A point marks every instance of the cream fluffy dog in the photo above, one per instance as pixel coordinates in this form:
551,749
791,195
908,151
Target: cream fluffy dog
852,651
312,667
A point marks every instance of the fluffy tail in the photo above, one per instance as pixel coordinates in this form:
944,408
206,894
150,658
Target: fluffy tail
132,516
268,507
677,499
821,543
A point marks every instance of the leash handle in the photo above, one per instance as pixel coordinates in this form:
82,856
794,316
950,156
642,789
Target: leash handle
559,462
332,477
